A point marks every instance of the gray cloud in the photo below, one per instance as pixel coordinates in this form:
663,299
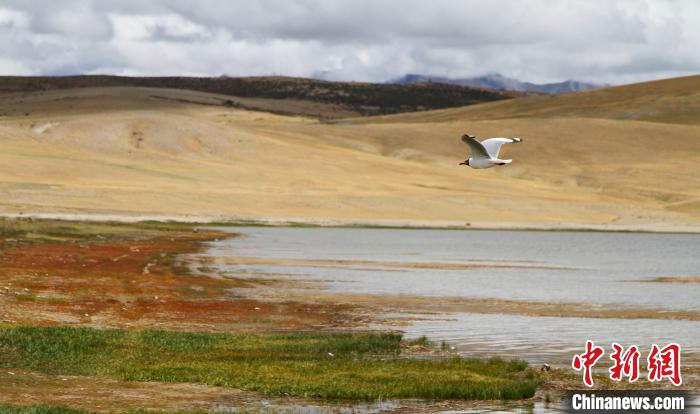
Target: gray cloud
535,40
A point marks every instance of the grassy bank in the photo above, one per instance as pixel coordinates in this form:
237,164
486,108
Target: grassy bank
73,271
40,230
328,365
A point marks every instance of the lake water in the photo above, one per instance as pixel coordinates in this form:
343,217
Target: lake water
589,268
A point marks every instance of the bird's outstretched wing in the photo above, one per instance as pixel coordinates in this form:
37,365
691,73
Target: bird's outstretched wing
478,150
493,145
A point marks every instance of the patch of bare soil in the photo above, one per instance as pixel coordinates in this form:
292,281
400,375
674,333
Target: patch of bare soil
108,395
524,308
140,283
416,305
677,279
352,264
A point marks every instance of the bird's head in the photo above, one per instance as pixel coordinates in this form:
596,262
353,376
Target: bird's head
468,136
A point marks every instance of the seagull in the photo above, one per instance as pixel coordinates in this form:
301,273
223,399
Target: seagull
485,153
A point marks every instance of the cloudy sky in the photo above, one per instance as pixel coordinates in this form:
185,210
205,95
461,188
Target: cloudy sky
365,40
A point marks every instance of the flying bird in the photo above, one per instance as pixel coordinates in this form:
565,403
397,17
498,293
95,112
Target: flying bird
485,153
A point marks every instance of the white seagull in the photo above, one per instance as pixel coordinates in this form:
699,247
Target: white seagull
485,153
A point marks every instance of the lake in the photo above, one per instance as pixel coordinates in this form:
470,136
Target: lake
588,269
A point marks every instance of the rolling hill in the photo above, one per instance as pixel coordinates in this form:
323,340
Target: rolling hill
617,158
309,97
674,101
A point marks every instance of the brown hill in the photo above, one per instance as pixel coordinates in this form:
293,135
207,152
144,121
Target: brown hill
143,152
669,101
308,97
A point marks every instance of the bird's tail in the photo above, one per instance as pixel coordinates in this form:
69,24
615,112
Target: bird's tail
504,162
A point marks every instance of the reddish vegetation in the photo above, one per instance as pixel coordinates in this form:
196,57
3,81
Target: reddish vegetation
139,283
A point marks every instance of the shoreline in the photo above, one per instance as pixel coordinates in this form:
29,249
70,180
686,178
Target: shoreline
396,224
84,283
144,284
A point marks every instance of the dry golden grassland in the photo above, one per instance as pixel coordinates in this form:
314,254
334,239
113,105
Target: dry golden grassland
620,158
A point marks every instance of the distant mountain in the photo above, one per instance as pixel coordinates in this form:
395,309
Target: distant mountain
501,83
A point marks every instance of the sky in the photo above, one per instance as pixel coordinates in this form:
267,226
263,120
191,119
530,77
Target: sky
604,41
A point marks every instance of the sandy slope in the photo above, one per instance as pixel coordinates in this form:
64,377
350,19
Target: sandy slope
669,101
123,152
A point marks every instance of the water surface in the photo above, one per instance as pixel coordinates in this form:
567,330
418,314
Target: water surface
593,268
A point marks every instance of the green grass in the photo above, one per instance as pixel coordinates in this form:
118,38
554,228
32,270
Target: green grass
38,230
362,367
422,341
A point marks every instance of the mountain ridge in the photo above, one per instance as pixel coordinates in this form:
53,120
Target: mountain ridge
496,81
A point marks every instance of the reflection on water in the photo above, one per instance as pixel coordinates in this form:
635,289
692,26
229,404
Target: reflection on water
580,267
